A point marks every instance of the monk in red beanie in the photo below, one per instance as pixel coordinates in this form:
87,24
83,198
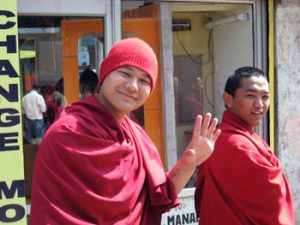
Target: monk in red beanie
96,166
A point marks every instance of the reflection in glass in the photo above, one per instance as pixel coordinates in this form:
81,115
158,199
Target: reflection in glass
188,87
90,51
90,54
27,63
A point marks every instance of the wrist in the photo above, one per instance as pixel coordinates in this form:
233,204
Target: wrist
188,159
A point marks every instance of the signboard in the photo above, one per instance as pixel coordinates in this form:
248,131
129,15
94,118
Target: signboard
83,58
12,194
184,213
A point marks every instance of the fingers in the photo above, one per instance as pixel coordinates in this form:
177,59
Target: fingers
217,134
212,128
205,127
198,126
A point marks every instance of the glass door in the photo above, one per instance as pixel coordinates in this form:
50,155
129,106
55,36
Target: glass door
208,42
46,61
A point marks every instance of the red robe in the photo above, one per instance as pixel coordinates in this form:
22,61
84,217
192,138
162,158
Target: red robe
242,182
90,169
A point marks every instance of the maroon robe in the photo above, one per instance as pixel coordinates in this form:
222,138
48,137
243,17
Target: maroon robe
242,182
90,169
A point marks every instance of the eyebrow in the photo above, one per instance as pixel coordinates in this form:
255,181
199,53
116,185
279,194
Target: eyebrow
255,90
131,69
127,67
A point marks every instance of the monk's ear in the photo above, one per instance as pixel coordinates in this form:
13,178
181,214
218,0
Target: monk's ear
228,99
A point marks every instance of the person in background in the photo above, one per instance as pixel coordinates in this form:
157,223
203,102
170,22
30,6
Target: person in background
243,182
88,83
55,101
192,102
96,166
33,107
59,98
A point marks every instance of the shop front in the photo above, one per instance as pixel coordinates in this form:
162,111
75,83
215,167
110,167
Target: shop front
198,44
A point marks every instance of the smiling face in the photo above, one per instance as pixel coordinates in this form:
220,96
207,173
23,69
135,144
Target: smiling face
251,100
124,89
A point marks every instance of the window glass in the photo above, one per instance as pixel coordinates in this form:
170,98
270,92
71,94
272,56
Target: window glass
90,53
53,57
40,60
204,43
209,42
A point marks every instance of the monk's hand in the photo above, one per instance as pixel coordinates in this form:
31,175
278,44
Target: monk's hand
203,140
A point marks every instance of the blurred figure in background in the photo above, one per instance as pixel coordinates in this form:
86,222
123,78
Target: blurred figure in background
33,107
192,103
88,83
55,102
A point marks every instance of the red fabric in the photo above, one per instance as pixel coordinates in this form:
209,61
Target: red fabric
242,182
92,170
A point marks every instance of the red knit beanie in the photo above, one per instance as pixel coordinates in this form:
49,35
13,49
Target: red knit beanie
130,52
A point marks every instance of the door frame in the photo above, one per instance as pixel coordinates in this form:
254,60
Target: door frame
260,60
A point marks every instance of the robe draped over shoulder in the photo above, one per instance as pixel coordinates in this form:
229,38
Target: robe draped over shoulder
90,169
242,182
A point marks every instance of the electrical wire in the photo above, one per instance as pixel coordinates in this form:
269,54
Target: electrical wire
210,58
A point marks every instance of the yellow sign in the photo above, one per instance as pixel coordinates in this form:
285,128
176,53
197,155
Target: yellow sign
12,193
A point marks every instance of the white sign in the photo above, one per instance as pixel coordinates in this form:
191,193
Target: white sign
184,213
83,58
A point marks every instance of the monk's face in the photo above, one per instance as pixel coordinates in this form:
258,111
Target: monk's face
124,90
251,100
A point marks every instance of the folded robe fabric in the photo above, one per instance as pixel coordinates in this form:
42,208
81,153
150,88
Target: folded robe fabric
90,169
242,182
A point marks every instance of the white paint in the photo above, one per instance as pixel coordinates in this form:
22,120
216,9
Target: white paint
230,52
288,94
64,8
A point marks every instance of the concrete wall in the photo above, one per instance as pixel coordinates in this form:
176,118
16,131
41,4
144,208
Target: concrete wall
287,42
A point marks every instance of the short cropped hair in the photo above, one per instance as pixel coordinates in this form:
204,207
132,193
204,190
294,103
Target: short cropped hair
36,86
234,80
88,81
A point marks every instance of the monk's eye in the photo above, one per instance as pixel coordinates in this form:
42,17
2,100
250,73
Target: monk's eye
266,97
124,73
250,96
146,81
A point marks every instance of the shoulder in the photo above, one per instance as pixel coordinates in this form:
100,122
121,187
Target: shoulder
39,96
234,139
73,131
64,125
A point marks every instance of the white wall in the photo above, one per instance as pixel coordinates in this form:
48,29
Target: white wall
233,48
59,7
288,93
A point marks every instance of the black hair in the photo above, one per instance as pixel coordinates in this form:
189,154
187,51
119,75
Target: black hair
88,81
234,80
59,86
36,87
